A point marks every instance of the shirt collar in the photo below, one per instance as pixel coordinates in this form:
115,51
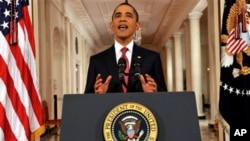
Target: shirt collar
118,46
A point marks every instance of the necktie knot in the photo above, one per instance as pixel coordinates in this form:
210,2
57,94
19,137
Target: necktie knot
124,50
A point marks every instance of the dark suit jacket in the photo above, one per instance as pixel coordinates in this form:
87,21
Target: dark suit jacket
105,64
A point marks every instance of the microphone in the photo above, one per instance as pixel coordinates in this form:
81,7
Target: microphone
122,67
137,66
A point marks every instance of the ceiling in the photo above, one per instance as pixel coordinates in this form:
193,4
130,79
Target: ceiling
159,18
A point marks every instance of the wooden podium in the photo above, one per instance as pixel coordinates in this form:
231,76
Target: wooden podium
176,114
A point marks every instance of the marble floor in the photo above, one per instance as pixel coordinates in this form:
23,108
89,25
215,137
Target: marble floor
207,131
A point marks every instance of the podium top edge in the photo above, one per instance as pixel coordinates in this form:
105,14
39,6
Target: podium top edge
177,92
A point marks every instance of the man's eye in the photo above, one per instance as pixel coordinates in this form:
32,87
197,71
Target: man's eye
117,15
129,15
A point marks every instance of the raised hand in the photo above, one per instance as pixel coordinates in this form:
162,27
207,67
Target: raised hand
100,87
148,84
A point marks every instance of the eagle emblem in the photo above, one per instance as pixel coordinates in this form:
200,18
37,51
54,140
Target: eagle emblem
130,127
130,121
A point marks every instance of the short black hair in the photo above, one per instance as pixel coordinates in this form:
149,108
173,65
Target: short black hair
125,3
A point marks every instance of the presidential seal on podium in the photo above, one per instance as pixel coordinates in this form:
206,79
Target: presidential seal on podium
130,121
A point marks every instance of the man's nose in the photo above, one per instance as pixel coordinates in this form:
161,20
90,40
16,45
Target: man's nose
123,18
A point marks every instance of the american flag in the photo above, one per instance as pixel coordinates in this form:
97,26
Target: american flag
20,102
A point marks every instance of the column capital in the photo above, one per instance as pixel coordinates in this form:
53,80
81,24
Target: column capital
169,44
194,15
177,34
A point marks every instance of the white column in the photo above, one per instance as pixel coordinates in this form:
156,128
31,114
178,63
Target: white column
214,57
169,64
178,61
196,68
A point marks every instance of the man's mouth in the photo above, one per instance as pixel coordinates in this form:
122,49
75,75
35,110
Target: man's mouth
122,27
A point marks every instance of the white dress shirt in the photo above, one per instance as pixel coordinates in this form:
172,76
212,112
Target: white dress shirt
118,51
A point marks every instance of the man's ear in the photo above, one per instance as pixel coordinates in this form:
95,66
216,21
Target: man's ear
138,25
111,26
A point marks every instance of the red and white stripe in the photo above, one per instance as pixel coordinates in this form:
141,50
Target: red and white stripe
20,102
235,45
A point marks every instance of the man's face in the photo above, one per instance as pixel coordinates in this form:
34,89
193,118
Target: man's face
124,23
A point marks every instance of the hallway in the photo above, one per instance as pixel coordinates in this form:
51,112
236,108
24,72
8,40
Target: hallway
69,32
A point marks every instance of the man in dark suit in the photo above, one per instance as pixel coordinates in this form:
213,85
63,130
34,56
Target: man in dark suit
103,69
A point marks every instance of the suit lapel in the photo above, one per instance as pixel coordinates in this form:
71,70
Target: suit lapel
133,80
136,52
111,63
